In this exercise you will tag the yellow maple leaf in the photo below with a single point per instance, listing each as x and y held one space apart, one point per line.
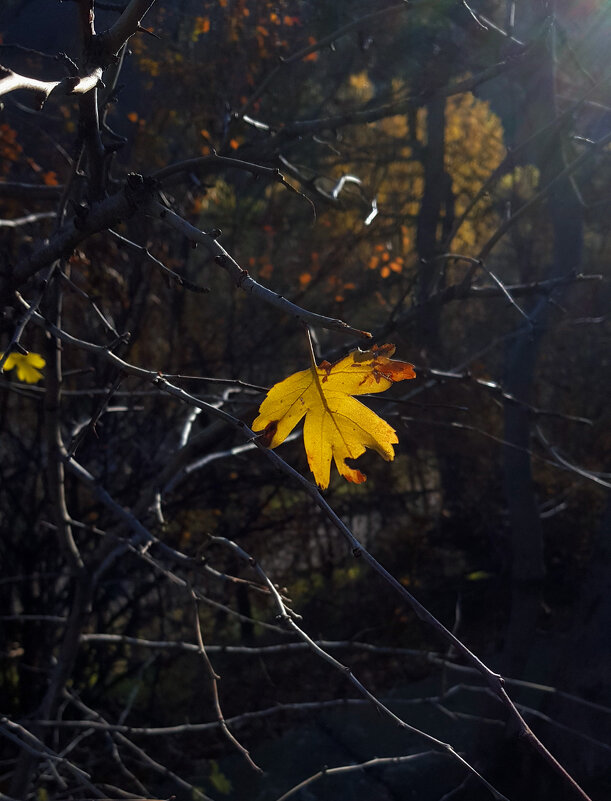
26 365
336 425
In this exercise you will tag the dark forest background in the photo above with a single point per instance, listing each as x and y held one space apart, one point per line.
434 172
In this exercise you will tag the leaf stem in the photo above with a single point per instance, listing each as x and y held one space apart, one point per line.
311 347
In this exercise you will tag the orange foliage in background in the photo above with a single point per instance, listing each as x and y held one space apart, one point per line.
10 149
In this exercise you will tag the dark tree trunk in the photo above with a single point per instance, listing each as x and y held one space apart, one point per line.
566 217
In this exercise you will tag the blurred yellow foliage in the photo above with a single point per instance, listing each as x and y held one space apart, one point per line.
362 85
390 167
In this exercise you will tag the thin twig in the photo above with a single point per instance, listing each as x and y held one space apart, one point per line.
214 678
31 744
589 474
143 251
100 723
288 620
377 762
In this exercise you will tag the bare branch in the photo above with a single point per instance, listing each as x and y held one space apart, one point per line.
497 281
263 650
10 81
243 280
378 762
589 474
99 722
29 743
28 219
288 620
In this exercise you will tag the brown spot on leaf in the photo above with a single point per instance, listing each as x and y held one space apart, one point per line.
268 433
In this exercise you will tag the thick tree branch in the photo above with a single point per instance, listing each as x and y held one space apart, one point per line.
10 81
101 216
108 43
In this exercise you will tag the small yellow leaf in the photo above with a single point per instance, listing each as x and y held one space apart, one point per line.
26 366
219 781
337 426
